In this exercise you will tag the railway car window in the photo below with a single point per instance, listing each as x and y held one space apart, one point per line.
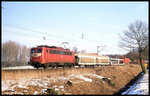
39 50
32 50
46 51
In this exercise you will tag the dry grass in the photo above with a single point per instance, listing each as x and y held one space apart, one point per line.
40 73
120 75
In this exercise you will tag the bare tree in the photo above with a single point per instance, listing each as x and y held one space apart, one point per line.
10 51
14 54
136 36
22 55
28 54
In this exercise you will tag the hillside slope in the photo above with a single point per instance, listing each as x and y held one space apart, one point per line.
89 80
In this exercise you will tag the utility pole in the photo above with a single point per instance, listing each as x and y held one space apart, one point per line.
97 49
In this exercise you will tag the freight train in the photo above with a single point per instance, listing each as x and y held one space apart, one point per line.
52 56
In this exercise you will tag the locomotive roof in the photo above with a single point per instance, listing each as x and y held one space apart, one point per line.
46 46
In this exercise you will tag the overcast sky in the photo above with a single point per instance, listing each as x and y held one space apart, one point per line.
99 23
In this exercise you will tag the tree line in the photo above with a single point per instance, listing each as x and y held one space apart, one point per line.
14 54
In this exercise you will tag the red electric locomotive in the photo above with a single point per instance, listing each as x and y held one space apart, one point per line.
45 56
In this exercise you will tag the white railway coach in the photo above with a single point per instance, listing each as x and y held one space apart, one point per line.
91 59
115 61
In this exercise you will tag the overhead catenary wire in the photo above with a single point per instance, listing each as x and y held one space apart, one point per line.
32 35
31 18
45 23
36 37
46 33
35 31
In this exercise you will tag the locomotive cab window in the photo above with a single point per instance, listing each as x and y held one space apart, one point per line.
32 50
39 50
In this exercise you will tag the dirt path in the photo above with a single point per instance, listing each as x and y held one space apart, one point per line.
90 80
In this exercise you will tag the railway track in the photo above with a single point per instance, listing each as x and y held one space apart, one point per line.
41 68
49 68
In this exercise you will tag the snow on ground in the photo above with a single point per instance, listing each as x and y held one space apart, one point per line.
44 82
84 78
141 87
20 67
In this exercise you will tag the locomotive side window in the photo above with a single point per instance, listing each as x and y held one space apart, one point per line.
39 50
32 50
70 53
57 52
67 53
62 52
54 51
50 51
